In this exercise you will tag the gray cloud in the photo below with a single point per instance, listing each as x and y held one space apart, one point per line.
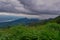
12 6
42 6
33 7
6 6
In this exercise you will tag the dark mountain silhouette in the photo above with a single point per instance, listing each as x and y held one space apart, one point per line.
56 20
19 21
27 21
51 20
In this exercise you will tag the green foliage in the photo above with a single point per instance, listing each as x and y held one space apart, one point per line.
50 31
56 20
46 30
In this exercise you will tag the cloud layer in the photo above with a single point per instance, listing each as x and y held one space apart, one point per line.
28 16
42 6
36 8
31 6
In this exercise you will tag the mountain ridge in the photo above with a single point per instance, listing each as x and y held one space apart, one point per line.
19 21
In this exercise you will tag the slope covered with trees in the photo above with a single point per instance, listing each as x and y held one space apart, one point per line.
35 31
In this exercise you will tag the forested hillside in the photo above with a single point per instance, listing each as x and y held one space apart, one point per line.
45 30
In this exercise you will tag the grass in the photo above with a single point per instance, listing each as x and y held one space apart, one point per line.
50 31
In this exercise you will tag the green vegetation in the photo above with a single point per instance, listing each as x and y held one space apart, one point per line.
48 31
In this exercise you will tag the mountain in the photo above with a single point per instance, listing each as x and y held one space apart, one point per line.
6 18
25 21
20 20
51 20
56 20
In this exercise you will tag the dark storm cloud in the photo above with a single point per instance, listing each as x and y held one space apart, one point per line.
13 6
6 6
42 6
33 7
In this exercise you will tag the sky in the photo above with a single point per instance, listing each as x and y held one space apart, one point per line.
30 8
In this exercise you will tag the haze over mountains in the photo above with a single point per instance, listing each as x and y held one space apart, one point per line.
49 8
13 20
6 18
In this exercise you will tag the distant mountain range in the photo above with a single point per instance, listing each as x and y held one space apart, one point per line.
6 21
6 18
19 21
